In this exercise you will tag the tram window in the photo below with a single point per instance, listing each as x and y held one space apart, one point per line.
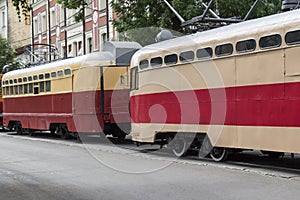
15 80
187 56
171 59
204 53
35 77
19 80
25 79
224 49
270 41
29 78
11 81
36 90
41 76
48 86
47 75
6 82
144 64
25 89
60 73
53 74
156 62
245 46
7 90
134 78
21 89
292 37
42 87
30 88
16 90
11 90
67 72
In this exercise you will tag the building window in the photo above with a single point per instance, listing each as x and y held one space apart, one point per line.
44 23
90 45
53 18
3 19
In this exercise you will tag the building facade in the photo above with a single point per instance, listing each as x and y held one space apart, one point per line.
55 25
16 31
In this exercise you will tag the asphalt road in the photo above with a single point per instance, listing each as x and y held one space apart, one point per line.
54 169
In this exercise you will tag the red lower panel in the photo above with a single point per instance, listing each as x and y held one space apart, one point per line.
81 111
262 105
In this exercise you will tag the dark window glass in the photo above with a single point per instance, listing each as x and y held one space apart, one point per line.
53 74
7 90
144 64
35 77
25 89
19 80
15 80
224 49
67 71
42 87
47 75
25 79
246 46
10 81
292 37
48 86
187 56
21 89
41 76
36 90
156 62
171 59
270 41
29 78
30 88
204 53
134 78
60 73
16 90
6 82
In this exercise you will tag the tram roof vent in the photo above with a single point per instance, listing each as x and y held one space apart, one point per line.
122 51
290 5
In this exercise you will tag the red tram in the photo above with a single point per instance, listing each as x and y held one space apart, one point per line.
87 94
231 88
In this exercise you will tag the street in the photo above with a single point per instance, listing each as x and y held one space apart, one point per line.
34 168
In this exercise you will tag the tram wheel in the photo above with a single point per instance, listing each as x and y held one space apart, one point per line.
64 134
19 129
219 154
178 146
30 132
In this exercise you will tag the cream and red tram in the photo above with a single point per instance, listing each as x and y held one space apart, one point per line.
86 94
237 86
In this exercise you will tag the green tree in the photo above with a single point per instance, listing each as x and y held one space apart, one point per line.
22 7
135 14
7 54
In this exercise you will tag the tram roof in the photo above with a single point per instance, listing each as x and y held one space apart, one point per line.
247 28
93 59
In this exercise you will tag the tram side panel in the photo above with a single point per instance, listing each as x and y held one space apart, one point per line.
100 99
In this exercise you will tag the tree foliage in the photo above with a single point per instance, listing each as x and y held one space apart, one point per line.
22 8
7 54
74 4
135 14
